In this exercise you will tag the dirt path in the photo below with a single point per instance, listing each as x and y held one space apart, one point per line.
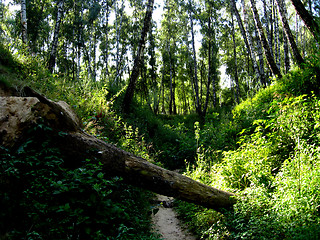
167 224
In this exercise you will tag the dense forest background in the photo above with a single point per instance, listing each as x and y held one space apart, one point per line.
225 91
199 54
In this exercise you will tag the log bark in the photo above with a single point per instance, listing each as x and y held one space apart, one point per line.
18 114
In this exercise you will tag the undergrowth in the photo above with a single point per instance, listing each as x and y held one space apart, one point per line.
273 167
42 198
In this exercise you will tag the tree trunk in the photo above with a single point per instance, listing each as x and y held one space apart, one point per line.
106 53
240 24
171 103
311 24
118 31
268 23
53 53
289 35
247 39
275 70
277 40
196 81
260 74
78 146
24 24
137 61
286 54
209 65
236 79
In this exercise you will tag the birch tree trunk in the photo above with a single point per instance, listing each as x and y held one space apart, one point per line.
247 38
196 81
309 21
275 70
119 11
286 54
260 56
269 24
237 92
209 65
288 32
53 52
24 24
106 53
277 40
171 103
259 71
240 24
137 61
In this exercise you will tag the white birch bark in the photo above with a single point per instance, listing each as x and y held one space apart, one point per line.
24 23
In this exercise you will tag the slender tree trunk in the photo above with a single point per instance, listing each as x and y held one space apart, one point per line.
106 53
277 40
237 92
118 31
247 38
286 54
24 24
94 55
259 72
268 20
163 109
174 85
209 65
196 81
137 61
53 52
263 39
86 55
260 56
171 81
309 21
289 35
242 30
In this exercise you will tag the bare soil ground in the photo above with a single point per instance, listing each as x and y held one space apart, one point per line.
166 222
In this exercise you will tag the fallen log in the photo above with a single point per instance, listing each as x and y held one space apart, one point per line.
18 114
